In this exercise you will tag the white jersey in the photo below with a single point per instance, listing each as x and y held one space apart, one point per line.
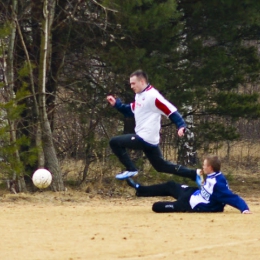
148 107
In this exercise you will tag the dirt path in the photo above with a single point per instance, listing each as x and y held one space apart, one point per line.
53 226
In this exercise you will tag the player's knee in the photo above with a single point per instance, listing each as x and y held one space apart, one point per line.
113 142
161 207
156 207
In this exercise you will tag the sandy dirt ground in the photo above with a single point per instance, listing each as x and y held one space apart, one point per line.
47 225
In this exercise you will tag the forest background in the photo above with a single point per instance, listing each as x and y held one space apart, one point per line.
60 59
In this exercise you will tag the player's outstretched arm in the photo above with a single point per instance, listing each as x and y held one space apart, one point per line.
125 109
225 195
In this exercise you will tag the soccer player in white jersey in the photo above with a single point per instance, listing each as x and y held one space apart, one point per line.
147 109
213 195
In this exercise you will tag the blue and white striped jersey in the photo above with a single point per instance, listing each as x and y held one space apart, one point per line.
215 194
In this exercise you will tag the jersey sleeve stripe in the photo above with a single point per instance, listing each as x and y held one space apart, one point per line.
162 107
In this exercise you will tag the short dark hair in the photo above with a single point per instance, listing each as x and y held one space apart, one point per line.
214 162
140 74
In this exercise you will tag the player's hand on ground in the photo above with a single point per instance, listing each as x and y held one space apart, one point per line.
181 131
111 100
246 212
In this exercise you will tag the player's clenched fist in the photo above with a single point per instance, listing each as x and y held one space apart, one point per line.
111 100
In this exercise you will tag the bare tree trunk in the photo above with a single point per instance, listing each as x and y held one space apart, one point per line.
60 41
36 106
9 83
51 160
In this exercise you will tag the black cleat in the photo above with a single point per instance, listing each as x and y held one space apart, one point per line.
132 183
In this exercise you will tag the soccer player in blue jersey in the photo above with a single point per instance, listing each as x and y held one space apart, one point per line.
213 195
147 108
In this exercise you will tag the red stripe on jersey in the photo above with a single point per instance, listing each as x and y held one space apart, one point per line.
133 106
150 87
162 107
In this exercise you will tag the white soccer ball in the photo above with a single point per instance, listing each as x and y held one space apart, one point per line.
42 178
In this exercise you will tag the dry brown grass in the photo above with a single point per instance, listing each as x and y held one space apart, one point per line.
241 167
